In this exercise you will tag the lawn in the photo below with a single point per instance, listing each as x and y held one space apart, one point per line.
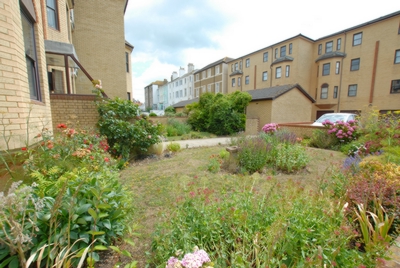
157 184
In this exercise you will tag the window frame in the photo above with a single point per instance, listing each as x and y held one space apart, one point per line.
337 67
287 70
397 56
355 64
127 61
335 92
265 76
357 41
276 53
239 83
247 62
31 60
54 11
216 87
233 83
329 47
216 69
282 52
392 86
319 49
324 92
276 72
265 57
247 80
326 71
290 48
351 89
339 44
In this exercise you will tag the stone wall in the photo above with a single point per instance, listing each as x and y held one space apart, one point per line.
303 129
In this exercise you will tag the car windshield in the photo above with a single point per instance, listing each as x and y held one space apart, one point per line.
332 118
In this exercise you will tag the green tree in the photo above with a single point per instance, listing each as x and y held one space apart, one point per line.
219 114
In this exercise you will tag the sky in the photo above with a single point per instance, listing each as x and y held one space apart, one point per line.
169 34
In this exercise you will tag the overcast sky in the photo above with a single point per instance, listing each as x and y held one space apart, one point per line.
168 34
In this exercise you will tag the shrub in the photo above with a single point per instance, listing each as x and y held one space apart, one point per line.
291 158
170 110
252 154
173 147
177 128
126 132
285 136
344 132
321 139
152 114
214 163
270 128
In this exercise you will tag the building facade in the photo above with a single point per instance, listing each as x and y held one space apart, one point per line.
39 59
181 87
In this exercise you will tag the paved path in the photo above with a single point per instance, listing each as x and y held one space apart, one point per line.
394 254
200 142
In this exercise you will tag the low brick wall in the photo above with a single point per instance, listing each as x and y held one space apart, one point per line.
164 119
77 111
300 129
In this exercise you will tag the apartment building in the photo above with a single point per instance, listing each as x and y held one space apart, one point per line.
212 78
151 95
181 87
344 72
41 62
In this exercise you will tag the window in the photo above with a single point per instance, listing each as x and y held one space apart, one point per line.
247 63
247 80
339 44
203 75
397 56
395 86
290 49
239 81
283 51
278 72
180 82
236 66
324 91
329 47
209 72
276 53
265 56
127 61
208 88
30 57
337 69
52 18
319 49
216 87
176 83
335 92
180 93
233 82
128 95
287 70
352 91
265 76
232 68
197 77
185 92
326 69
177 94
355 64
357 39
190 78
217 69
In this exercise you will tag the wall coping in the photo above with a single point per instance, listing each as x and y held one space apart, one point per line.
54 96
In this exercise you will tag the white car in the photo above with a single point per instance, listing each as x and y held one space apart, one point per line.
334 117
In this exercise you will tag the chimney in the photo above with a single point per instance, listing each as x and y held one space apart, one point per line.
181 71
174 75
190 67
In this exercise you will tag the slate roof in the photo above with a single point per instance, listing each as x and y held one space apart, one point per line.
226 59
272 93
331 55
184 103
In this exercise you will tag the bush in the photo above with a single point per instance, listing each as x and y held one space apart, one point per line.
344 132
252 154
152 114
291 158
126 132
321 139
177 128
170 110
173 147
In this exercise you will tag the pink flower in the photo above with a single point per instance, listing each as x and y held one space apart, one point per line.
23 148
149 136
106 159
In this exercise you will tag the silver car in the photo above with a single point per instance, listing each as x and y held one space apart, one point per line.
334 117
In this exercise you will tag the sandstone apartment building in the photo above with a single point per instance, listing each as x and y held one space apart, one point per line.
341 72
50 50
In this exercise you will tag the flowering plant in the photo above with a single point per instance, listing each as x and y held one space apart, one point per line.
270 128
343 131
199 258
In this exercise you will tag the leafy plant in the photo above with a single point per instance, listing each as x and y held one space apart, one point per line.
291 158
321 139
173 147
252 154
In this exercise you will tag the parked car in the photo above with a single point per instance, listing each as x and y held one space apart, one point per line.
334 117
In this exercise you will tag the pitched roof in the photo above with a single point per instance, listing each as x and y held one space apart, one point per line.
184 103
225 60
272 93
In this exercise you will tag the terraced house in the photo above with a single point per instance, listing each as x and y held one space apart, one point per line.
50 51
299 79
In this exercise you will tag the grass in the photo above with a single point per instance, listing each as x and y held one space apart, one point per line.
157 184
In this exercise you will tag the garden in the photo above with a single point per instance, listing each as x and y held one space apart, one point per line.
100 199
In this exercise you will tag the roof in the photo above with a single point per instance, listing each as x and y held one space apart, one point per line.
126 5
363 24
223 60
271 93
185 102
129 44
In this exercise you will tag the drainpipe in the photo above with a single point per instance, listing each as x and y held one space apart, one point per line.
371 93
341 74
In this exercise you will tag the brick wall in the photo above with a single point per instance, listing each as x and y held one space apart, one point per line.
20 117
252 126
77 111
302 130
